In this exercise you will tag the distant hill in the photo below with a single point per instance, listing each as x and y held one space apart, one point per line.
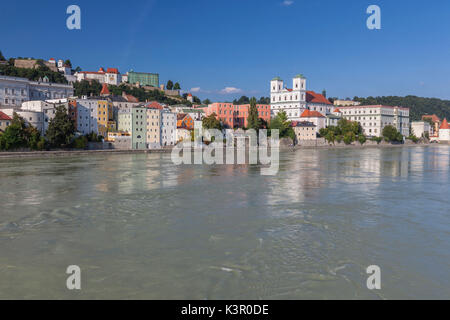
418 105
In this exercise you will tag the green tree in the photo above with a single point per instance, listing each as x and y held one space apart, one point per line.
207 101
169 85
177 86
280 122
61 128
68 63
253 117
2 58
391 134
211 122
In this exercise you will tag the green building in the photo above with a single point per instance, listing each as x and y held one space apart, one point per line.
144 79
139 128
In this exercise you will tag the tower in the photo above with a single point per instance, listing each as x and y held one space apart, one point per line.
276 85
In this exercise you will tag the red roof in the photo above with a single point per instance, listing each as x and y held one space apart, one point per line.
444 125
311 114
101 70
112 70
433 117
131 98
105 90
314 97
154 105
4 116
289 89
189 95
337 110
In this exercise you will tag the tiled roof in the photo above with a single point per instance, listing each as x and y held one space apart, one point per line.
433 117
302 124
311 114
337 110
112 70
154 105
131 98
444 125
105 90
314 97
181 116
4 116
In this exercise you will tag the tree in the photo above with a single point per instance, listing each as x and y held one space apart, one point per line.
242 100
391 134
177 86
86 88
253 121
61 128
77 69
169 85
19 135
281 123
2 58
207 101
68 63
324 93
211 122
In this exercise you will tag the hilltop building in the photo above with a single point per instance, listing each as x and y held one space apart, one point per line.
142 78
110 76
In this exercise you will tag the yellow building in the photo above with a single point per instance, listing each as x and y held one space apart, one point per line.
105 118
153 127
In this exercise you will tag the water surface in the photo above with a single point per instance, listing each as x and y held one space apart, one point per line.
142 228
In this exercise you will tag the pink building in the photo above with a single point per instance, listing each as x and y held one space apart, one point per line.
235 116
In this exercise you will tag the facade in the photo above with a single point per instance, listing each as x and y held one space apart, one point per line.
346 103
304 130
153 128
33 118
105 121
436 123
144 79
168 128
235 116
48 110
316 118
420 128
5 121
139 128
374 118
15 91
444 132
183 134
292 101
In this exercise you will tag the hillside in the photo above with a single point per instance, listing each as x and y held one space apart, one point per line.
418 105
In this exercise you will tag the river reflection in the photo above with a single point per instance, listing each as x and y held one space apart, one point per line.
141 227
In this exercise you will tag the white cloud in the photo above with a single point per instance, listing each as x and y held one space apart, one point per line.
287 3
230 90
196 89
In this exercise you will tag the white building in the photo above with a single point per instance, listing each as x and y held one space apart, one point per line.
374 118
314 117
46 108
292 101
420 128
444 132
168 128
34 118
87 112
15 91
110 76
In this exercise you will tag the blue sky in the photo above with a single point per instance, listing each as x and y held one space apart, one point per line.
210 45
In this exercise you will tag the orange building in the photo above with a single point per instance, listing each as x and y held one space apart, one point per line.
185 121
236 116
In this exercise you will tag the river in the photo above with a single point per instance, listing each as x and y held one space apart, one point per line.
140 227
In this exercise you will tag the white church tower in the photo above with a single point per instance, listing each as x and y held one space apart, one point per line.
292 101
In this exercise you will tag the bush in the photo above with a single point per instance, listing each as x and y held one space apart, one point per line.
413 138
377 139
80 142
362 139
41 144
